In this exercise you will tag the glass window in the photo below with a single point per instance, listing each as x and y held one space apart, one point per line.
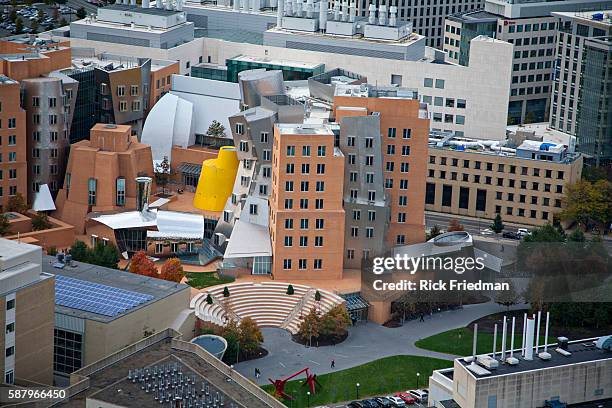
440 83
428 82
91 189
121 191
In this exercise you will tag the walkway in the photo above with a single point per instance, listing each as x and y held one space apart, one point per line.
366 342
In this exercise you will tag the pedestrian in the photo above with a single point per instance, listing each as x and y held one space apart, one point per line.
257 373
422 319
333 363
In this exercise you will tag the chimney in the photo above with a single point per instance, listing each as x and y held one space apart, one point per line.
345 11
352 11
393 16
475 341
372 14
503 347
309 9
382 15
529 338
168 4
143 192
512 337
524 334
546 332
279 13
494 340
323 15
537 339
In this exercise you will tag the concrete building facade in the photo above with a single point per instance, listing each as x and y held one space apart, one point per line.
306 214
26 315
525 187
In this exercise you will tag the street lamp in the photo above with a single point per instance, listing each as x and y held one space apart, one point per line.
357 389
308 395
418 375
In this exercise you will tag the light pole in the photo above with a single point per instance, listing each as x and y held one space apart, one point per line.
418 375
308 395
357 389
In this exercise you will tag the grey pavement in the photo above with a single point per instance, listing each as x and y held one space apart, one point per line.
366 342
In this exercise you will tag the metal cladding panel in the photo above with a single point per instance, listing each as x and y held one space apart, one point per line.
257 83
69 323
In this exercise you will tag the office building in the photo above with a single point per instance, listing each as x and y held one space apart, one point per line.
126 308
26 315
13 146
580 105
181 369
532 29
524 184
566 373
100 174
306 203
154 27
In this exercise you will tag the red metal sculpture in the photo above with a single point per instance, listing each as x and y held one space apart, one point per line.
279 385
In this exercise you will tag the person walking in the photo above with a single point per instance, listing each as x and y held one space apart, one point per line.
333 363
257 373
422 319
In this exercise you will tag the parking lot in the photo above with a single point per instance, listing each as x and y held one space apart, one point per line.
37 17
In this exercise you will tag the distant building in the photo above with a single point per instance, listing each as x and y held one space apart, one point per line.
575 374
524 184
530 26
200 378
26 315
99 311
100 174
14 168
582 83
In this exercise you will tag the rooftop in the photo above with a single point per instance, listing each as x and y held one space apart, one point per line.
12 249
6 80
97 280
299 129
403 42
582 351
137 9
600 17
284 63
85 58
476 16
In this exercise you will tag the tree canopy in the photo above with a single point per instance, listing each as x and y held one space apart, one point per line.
588 203
172 270
142 265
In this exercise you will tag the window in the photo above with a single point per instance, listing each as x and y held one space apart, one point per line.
136 106
319 203
304 185
319 223
253 209
244 146
12 123
318 264
428 82
290 151
122 108
302 264
440 83
303 203
290 168
407 133
9 351
289 186
9 377
305 168
391 132
289 223
286 263
121 90
320 168
120 191
405 150
134 90
239 128
288 203
35 101
320 186
318 241
10 304
321 151
91 191
304 223
305 151
263 137
288 241
369 232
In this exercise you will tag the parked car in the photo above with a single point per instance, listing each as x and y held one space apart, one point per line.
511 235
419 395
397 401
522 232
355 404
371 403
487 231
406 397
384 402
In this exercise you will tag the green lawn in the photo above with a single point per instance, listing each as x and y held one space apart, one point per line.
379 377
459 342
201 280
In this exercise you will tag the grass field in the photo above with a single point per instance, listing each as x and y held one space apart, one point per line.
379 377
459 342
201 280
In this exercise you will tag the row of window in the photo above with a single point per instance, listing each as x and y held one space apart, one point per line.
532 41
12 191
302 264
318 241
164 80
305 168
304 203
533 53
532 66
512 169
92 187
488 180
440 101
532 90
530 78
51 101
134 89
304 223
305 186
12 140
519 28
12 157
12 123
123 106
53 153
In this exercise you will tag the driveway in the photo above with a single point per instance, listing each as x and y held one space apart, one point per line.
366 342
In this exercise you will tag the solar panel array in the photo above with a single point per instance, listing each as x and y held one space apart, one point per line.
94 297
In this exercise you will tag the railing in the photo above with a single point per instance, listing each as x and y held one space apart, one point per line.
227 308
228 372
297 308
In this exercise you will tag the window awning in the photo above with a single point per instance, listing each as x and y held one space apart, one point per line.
354 301
190 168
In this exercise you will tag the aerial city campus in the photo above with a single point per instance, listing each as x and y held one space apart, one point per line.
274 149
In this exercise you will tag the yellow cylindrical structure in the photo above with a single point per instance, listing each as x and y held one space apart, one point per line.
216 180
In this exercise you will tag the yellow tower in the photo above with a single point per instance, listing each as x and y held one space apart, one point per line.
216 180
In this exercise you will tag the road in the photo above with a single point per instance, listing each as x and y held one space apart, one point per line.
77 4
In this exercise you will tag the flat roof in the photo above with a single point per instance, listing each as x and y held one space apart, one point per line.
6 80
477 16
10 249
156 289
137 9
303 129
286 63
586 16
582 351
403 42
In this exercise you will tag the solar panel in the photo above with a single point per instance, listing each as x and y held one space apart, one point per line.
95 297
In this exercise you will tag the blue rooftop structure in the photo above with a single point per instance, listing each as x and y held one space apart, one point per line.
95 297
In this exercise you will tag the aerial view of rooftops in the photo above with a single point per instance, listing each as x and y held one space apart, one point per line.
306 203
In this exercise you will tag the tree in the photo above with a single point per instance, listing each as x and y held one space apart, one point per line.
335 322
317 296
290 290
216 129
142 265
588 203
576 236
172 270
226 292
34 26
63 22
249 335
81 13
78 251
5 226
498 225
163 173
545 233
18 25
209 299
40 222
433 232
508 297
16 203
454 225
40 15
52 251
310 326
105 255
13 16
